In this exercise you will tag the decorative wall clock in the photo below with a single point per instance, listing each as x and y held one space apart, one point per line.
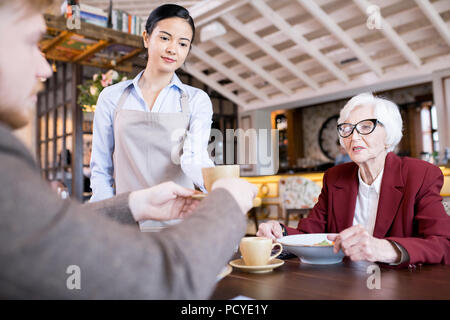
328 138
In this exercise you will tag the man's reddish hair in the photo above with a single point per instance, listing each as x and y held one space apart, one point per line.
34 6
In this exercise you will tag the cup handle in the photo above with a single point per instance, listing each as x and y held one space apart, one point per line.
279 251
257 202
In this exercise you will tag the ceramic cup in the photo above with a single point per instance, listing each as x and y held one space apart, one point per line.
256 250
212 174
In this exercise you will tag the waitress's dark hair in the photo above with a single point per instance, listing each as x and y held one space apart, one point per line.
169 11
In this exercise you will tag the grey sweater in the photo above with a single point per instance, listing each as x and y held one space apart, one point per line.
42 235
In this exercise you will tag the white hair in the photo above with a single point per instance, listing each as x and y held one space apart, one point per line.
385 111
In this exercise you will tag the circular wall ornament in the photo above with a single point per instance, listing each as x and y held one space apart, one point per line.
328 138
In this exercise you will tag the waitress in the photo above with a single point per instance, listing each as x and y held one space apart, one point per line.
142 125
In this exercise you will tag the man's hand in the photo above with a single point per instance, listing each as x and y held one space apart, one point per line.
165 201
270 229
358 244
242 191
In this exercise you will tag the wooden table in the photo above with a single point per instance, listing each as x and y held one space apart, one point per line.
346 280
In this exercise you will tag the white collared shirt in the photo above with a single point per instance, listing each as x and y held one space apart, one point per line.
367 203
195 154
367 206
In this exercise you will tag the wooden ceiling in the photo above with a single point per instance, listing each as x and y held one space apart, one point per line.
279 53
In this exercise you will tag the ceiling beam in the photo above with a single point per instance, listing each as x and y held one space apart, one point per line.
204 7
214 15
129 55
225 46
196 51
138 2
316 11
435 19
276 55
213 84
392 35
288 30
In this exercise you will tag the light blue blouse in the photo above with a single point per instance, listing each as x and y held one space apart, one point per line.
195 154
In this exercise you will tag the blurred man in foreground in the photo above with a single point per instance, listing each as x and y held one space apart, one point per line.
42 237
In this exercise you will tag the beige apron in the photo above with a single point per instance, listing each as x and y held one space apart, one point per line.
144 150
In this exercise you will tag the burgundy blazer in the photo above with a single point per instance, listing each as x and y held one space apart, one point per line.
410 210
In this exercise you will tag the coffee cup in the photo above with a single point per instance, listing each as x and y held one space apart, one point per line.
212 174
256 250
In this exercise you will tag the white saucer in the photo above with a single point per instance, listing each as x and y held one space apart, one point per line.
199 196
225 271
239 263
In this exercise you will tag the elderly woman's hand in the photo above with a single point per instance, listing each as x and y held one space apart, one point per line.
358 244
271 230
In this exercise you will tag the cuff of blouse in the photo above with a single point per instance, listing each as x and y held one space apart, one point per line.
283 229
404 256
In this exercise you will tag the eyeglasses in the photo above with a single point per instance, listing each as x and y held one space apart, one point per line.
363 127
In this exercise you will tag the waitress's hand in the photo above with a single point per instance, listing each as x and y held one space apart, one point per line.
241 190
165 201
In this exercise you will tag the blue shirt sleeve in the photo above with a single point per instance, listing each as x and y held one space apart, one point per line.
102 169
195 149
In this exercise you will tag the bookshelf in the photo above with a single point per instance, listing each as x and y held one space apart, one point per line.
90 45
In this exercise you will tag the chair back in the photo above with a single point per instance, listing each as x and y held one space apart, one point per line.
446 203
298 193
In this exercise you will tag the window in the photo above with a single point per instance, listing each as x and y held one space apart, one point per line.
429 125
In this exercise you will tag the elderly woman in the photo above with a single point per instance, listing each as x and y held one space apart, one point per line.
384 208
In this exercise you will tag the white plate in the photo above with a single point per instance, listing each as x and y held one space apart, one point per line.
303 246
199 196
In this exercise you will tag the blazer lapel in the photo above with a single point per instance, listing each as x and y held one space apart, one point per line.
344 199
391 194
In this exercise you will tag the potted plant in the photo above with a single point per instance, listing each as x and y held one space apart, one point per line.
90 90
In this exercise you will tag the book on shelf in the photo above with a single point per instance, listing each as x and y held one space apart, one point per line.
120 20
94 18
143 23
91 9
116 19
124 22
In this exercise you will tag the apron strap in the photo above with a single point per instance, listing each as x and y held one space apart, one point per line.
184 99
184 102
123 98
185 107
